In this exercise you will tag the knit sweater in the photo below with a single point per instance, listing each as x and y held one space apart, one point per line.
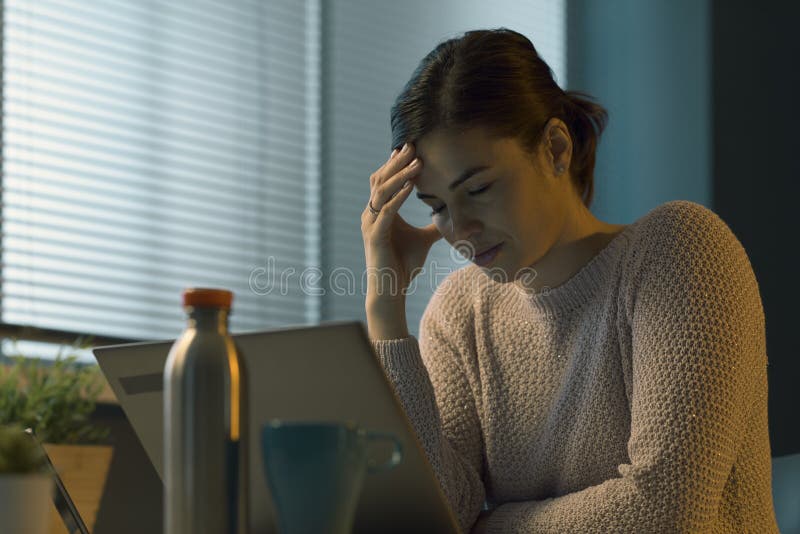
631 398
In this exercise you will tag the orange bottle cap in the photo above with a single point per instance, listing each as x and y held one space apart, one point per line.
205 297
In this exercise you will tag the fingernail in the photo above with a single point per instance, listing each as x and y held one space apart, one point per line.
393 154
405 148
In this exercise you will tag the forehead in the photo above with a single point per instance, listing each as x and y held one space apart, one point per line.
445 154
442 146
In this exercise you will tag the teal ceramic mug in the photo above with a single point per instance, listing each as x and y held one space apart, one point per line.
315 472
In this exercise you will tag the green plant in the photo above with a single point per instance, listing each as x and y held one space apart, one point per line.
19 454
55 400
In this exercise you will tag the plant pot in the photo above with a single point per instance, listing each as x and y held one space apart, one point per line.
83 470
25 503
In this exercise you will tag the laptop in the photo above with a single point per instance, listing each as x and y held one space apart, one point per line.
327 372
61 498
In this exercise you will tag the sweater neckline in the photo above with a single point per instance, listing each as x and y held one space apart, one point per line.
581 286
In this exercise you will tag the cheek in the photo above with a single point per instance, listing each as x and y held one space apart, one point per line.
526 221
512 212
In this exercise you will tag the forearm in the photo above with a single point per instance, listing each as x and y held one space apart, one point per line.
456 470
386 318
613 506
642 500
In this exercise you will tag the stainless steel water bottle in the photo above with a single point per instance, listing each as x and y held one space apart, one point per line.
205 422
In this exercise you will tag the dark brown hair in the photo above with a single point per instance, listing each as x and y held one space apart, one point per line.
495 79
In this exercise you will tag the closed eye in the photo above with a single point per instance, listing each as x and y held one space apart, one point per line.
479 190
470 193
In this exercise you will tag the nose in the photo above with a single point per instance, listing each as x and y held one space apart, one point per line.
463 226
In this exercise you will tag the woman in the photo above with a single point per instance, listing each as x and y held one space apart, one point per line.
581 376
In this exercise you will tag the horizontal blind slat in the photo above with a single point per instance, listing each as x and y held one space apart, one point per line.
282 180
133 128
89 95
224 76
185 221
56 152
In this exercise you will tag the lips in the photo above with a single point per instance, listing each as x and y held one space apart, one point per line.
485 250
487 255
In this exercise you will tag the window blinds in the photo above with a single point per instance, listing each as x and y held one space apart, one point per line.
152 146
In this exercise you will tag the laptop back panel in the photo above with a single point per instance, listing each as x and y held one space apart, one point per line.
327 372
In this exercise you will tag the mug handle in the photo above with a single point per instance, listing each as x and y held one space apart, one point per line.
393 461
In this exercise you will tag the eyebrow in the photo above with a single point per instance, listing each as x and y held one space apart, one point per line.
466 175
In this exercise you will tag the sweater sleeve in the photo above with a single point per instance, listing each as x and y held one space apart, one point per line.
698 348
430 381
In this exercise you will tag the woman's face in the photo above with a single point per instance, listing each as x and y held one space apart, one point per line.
515 199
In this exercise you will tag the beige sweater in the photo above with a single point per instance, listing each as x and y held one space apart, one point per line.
631 398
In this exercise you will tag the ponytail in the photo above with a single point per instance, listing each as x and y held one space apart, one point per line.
586 121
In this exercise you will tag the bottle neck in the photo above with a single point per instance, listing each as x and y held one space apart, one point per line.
213 319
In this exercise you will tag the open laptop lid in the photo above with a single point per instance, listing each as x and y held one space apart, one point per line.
327 372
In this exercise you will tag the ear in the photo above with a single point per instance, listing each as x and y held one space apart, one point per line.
558 146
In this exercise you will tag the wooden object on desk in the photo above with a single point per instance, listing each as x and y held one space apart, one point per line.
83 470
107 396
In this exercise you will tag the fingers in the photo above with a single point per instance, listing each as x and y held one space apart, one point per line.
386 186
389 209
392 165
381 194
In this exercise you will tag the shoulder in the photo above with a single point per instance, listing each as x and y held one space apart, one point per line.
682 236
683 225
685 250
